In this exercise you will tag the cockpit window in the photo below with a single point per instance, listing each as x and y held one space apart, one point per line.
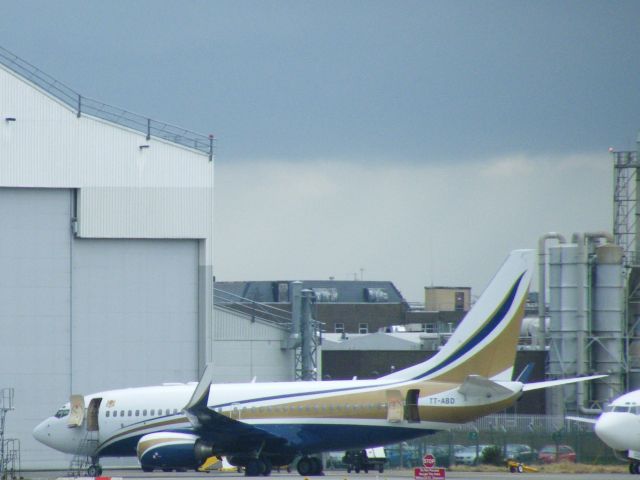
621 408
62 412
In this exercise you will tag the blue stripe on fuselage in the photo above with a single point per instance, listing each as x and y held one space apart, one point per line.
482 333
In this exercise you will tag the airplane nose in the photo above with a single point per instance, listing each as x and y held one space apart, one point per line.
612 429
42 432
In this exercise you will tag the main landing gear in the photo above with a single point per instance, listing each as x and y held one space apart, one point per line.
309 466
94 470
634 467
258 466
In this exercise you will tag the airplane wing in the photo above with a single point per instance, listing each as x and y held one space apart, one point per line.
222 430
582 419
478 386
554 383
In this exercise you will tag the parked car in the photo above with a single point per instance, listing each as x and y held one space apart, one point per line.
564 453
520 452
468 456
367 459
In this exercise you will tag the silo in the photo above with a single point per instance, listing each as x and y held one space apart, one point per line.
567 291
607 321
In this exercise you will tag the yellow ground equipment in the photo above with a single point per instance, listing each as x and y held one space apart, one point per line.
518 467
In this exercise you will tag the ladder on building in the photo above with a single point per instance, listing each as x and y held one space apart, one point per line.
10 469
82 463
9 448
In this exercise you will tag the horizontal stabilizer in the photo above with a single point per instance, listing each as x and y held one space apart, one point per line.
582 419
554 383
477 386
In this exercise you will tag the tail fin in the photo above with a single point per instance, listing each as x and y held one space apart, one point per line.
485 341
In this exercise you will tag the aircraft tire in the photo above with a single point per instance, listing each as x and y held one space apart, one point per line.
268 467
254 468
316 466
381 469
94 471
147 469
305 466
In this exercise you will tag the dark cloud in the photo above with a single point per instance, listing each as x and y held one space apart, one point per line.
406 81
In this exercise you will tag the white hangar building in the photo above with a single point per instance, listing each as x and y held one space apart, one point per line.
106 248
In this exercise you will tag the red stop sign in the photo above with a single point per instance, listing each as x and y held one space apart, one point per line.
428 460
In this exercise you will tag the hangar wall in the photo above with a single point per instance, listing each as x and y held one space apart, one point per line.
246 349
105 258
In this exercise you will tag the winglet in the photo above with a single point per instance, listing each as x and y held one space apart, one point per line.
200 395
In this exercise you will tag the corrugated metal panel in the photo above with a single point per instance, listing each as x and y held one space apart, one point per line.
48 146
135 313
35 304
244 349
231 326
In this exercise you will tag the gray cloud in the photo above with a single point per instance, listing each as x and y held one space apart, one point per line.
414 224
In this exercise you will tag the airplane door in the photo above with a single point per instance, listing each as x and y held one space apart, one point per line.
76 415
395 410
411 410
92 415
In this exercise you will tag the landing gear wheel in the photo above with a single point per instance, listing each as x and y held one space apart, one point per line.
94 471
634 467
380 469
316 466
147 469
268 466
254 468
304 466
520 468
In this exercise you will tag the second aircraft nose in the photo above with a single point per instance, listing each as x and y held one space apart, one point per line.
612 428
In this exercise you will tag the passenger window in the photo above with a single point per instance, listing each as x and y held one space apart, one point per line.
108 413
137 413
175 411
144 412
122 413
152 413
115 413
129 413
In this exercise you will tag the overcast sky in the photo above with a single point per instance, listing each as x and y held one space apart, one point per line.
412 141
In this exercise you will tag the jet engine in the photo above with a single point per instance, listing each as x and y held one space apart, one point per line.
172 451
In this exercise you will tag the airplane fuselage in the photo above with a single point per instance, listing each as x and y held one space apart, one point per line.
339 414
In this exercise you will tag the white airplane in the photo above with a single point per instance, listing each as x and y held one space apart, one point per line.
619 427
260 425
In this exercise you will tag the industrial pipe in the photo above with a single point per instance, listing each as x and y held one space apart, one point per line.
542 313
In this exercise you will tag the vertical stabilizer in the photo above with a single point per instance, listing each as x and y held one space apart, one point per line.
485 341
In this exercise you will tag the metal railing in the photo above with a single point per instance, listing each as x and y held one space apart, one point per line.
94 108
256 311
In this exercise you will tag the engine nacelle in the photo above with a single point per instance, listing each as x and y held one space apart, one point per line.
172 450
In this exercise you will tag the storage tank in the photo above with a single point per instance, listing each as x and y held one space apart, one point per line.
607 321
567 292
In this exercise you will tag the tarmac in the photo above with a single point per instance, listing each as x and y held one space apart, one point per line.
329 475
